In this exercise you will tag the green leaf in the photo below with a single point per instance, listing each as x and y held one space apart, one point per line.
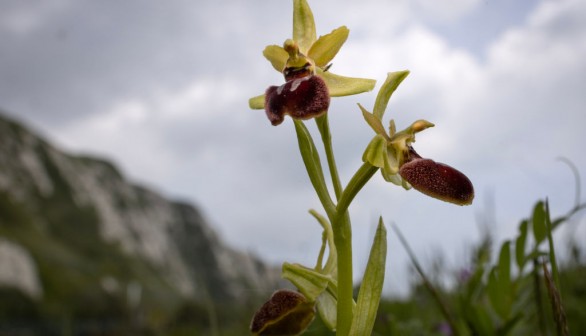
313 166
340 86
372 285
277 56
257 103
309 282
303 25
499 284
539 228
327 46
494 295
520 245
536 254
373 122
478 318
505 267
509 325
384 94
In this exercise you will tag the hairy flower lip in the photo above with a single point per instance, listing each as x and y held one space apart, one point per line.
301 98
285 313
437 180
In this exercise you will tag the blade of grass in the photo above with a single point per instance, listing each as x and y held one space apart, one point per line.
434 293
559 315
537 295
552 258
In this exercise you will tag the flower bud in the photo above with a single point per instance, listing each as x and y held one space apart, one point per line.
301 98
437 180
286 313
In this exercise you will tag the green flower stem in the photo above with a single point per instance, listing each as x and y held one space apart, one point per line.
360 178
343 240
324 130
342 227
338 215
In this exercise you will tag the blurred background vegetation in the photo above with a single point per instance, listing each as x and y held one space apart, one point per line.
513 287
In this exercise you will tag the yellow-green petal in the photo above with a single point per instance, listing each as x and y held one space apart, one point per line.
257 103
308 281
327 46
395 179
277 56
376 152
390 171
303 25
345 86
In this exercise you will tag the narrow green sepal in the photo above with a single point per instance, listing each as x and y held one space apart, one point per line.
340 86
372 285
303 25
257 103
374 122
309 282
326 308
384 94
327 46
277 56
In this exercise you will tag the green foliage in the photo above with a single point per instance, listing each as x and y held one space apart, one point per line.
515 295
372 284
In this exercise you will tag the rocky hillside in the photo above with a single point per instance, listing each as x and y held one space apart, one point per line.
76 238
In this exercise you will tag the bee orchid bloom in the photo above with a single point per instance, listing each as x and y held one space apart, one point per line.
393 153
303 96
304 62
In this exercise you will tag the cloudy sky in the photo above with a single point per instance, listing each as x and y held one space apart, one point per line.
162 89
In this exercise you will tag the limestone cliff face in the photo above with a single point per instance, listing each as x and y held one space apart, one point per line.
51 201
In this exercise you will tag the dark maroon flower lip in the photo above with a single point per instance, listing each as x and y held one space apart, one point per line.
285 313
301 98
437 180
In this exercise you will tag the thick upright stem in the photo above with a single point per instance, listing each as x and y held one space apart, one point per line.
342 229
337 214
343 240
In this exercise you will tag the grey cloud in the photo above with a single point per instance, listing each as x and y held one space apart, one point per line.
86 59
80 59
